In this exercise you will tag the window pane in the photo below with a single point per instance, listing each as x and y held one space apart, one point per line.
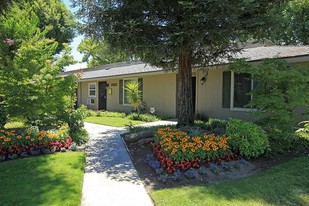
92 92
242 86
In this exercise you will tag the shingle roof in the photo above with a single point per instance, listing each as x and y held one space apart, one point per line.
120 69
259 53
138 67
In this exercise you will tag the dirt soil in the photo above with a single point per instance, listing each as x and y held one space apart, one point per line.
236 169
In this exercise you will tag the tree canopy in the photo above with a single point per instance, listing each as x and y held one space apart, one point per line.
51 13
288 23
97 52
175 34
29 67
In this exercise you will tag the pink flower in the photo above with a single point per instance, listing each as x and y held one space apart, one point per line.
9 41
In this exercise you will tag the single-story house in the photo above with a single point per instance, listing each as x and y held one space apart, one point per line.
102 88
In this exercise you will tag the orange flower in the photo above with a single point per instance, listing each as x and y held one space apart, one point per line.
7 139
27 137
40 138
19 137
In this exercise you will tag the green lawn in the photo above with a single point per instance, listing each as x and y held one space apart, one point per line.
286 184
54 179
112 121
15 124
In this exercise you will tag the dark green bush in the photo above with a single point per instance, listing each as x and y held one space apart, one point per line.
3 115
143 117
76 123
246 138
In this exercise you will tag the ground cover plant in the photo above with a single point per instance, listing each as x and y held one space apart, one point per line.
285 184
54 180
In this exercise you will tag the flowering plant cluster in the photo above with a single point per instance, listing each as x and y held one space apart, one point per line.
31 139
179 146
176 150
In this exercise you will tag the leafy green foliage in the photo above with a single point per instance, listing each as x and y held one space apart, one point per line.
3 115
304 132
134 95
280 90
143 117
288 23
246 138
75 120
98 53
29 71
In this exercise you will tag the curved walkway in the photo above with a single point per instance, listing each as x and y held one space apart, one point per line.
110 177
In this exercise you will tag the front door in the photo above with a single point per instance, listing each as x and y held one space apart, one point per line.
102 95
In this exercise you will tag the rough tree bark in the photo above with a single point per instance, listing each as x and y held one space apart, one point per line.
185 107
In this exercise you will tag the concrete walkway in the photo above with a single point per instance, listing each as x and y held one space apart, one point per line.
110 177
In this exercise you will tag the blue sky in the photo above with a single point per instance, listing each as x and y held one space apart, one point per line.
77 56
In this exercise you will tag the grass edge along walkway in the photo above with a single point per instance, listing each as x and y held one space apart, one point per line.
284 184
112 121
53 180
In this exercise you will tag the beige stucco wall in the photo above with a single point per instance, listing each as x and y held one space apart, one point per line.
83 95
209 97
159 91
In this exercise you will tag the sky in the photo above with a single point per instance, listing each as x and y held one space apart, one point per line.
77 56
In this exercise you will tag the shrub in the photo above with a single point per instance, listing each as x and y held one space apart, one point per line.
304 132
76 124
246 138
143 117
3 115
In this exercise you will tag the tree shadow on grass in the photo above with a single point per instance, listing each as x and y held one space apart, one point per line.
44 180
286 184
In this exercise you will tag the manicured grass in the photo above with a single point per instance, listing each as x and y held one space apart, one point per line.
54 179
15 124
286 184
112 121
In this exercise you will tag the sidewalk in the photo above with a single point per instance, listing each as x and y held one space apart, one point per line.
110 177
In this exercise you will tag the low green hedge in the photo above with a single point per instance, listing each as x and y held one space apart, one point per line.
247 138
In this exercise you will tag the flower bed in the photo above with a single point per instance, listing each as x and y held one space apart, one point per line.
33 142
176 150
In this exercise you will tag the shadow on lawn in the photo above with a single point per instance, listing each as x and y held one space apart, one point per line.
285 184
42 180
109 156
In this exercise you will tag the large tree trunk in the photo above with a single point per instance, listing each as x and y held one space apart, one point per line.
184 94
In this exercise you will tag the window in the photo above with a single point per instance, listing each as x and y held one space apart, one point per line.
123 93
92 89
236 87
242 86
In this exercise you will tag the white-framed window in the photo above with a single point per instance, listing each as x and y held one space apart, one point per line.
241 86
125 81
92 89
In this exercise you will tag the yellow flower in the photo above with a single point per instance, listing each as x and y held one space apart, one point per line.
32 139
19 137
27 137
40 138
7 139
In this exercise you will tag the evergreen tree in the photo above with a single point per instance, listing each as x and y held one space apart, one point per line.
174 34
